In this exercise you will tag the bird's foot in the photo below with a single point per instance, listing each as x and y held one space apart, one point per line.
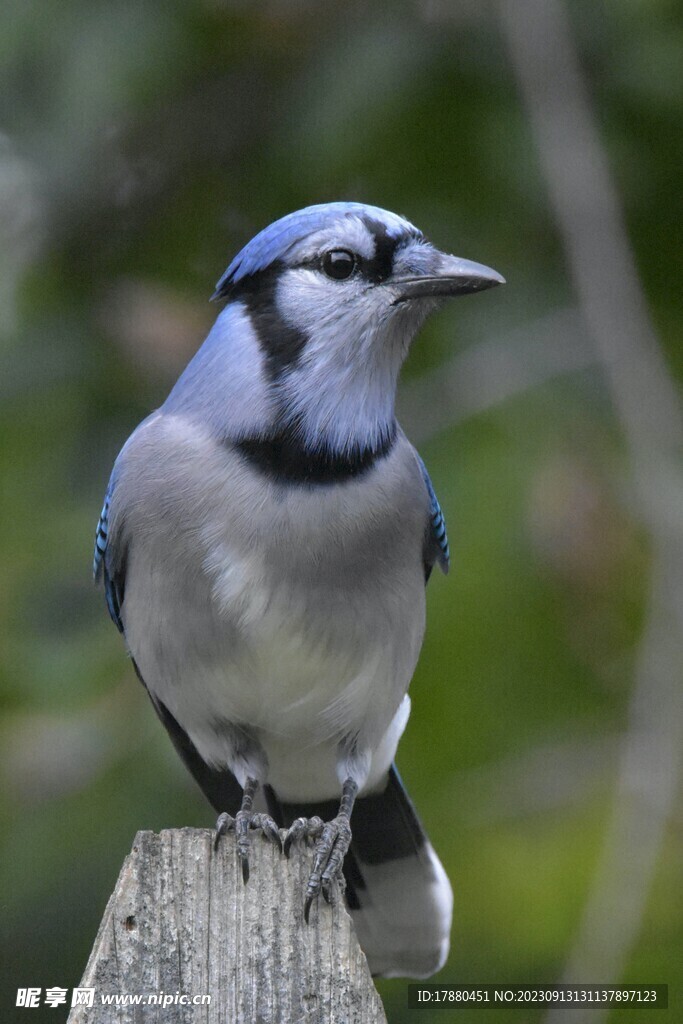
243 824
333 841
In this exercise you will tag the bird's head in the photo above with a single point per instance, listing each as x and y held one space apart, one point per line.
348 273
327 301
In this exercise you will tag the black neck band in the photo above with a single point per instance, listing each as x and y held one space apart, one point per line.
283 458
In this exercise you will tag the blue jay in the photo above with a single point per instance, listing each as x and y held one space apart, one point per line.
264 546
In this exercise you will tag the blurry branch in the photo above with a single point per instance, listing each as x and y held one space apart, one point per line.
551 777
20 227
492 372
587 211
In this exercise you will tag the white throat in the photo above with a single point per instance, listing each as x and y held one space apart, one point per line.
341 393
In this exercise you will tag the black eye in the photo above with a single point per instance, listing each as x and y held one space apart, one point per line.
339 263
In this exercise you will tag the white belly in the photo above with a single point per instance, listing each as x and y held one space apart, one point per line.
301 668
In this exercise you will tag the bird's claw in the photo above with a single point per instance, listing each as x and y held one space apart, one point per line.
224 824
326 876
265 823
303 828
242 824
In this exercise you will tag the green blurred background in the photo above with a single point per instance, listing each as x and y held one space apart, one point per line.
141 144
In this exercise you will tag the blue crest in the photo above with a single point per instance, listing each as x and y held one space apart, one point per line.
274 242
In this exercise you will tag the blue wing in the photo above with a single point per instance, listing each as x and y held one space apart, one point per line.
436 540
101 540
113 586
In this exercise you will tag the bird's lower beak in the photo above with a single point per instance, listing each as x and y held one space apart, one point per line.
451 277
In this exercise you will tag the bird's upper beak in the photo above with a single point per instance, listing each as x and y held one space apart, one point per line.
448 276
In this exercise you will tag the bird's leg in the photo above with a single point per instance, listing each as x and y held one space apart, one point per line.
332 843
246 819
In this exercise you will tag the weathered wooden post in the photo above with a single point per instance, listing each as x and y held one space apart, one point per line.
181 925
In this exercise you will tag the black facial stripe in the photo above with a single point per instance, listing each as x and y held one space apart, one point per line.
283 457
281 343
380 267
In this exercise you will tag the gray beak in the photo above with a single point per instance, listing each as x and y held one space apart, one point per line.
452 277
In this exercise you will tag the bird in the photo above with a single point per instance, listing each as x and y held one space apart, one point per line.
264 547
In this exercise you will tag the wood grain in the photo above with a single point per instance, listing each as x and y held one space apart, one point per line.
182 922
